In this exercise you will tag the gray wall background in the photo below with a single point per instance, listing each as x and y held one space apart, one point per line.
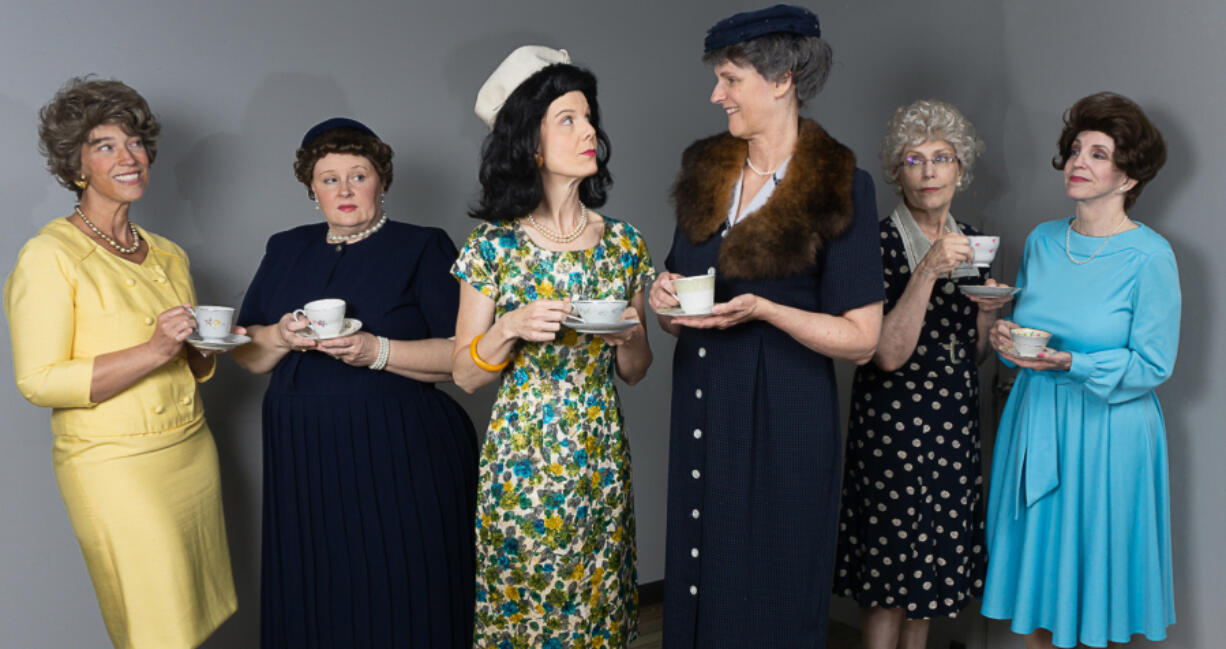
236 83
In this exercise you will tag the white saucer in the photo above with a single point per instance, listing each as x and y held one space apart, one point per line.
1013 353
217 344
598 328
989 291
349 327
676 312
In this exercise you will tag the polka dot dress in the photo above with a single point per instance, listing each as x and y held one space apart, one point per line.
911 525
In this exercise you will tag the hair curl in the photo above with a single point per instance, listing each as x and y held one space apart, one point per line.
510 179
808 58
928 120
345 141
1139 148
80 106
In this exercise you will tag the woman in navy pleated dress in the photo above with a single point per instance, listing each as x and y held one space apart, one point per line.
369 470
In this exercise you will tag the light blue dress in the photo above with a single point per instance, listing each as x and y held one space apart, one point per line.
1079 535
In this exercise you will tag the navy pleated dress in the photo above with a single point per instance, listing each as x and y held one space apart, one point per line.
369 477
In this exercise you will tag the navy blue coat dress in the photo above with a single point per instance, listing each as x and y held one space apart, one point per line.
369 477
755 447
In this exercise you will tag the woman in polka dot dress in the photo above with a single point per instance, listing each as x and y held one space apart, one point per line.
912 521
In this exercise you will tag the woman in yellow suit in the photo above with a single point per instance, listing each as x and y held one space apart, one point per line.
97 316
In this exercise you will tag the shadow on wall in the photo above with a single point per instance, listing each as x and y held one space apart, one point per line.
239 189
38 191
1192 372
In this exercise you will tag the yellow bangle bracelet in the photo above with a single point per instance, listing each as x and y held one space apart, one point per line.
488 367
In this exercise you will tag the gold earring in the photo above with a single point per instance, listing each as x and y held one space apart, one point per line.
540 160
81 182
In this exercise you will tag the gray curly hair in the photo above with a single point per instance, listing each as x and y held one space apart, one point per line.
927 120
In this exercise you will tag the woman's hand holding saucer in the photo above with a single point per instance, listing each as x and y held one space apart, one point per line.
991 304
623 337
1047 359
359 350
742 308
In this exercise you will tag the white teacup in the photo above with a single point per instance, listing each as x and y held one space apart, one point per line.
213 323
984 250
1027 342
607 311
696 294
327 316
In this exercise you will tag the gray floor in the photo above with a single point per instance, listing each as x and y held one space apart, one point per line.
840 636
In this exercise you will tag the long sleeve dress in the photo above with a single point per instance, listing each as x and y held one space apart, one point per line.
369 477
1079 534
138 472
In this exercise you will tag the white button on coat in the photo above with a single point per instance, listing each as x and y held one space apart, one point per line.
694 552
695 474
693 590
698 393
697 433
702 352
694 514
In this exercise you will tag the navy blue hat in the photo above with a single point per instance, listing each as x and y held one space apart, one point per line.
333 124
752 24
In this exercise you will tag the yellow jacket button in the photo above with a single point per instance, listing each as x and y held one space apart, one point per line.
187 401
148 320
130 282
157 410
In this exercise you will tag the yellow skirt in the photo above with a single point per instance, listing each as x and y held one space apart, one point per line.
147 512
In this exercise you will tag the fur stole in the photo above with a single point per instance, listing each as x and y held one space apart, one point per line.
811 206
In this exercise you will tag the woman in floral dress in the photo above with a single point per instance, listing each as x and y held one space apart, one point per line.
555 520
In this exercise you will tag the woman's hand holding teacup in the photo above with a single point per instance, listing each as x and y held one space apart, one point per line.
288 329
663 295
991 304
538 321
1002 340
173 326
948 251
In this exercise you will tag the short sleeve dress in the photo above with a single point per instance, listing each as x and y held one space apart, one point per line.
369 477
555 516
911 526
1079 529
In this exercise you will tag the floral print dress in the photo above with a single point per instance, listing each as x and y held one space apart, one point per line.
555 517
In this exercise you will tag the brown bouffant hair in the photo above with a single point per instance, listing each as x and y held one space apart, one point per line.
346 141
1139 149
79 107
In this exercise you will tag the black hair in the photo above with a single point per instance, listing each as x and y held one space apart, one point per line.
510 179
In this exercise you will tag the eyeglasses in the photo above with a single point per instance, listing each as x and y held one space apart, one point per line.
916 162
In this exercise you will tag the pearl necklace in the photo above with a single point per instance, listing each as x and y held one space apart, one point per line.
757 170
342 238
1068 233
114 244
558 237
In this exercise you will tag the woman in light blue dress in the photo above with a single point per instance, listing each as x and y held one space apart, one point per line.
1079 538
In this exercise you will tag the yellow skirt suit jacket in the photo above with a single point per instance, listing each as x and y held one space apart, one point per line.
138 472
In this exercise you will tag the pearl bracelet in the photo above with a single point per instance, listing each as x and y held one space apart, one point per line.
385 350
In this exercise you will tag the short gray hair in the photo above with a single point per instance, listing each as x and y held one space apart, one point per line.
927 120
808 58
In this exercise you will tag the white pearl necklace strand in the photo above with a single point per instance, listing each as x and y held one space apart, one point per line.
558 237
1068 233
342 238
115 244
